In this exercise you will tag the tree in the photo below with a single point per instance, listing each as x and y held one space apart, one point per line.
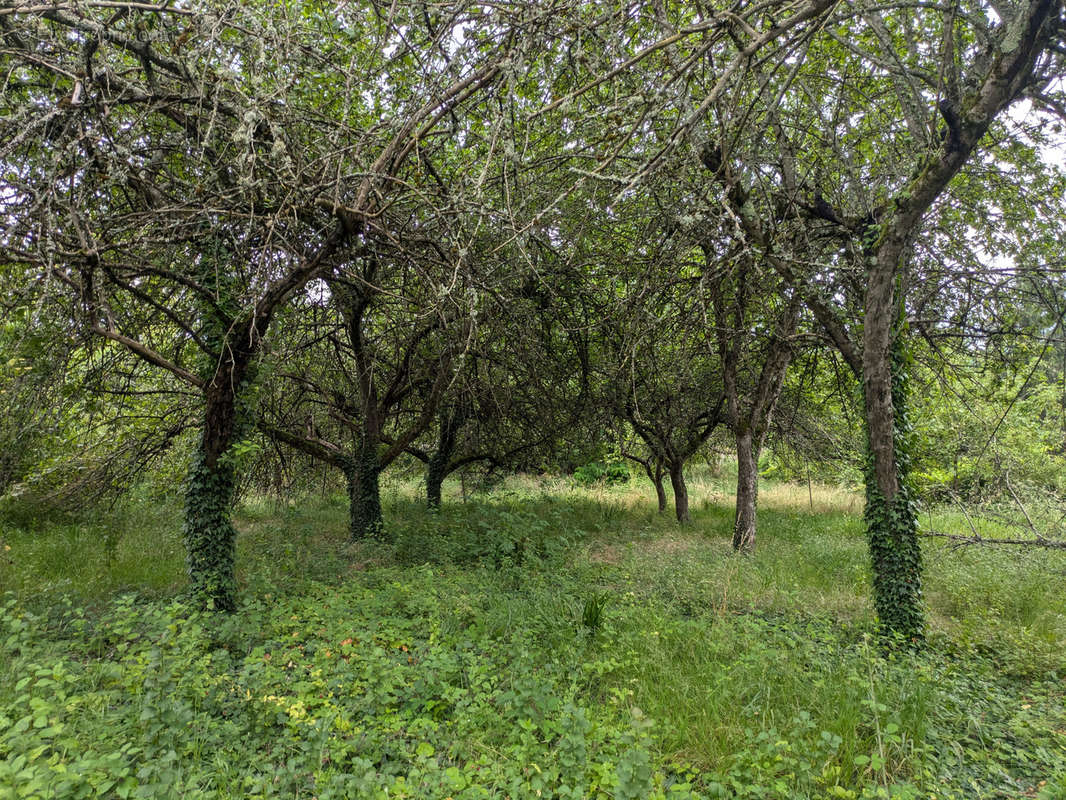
379 358
935 107
680 66
523 397
663 378
183 187
755 347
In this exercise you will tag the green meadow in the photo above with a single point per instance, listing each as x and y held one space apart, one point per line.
535 639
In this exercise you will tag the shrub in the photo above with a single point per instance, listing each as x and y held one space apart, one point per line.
599 473
482 533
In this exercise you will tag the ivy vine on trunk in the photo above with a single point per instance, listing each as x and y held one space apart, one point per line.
892 523
364 492
210 538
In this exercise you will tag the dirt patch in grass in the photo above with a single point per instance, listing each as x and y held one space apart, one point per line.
659 547
668 546
606 554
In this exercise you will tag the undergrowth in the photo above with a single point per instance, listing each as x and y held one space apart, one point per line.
539 642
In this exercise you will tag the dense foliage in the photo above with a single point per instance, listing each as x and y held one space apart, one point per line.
271 252
484 235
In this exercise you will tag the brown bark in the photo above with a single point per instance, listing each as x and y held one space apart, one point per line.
660 490
747 493
881 312
220 406
677 481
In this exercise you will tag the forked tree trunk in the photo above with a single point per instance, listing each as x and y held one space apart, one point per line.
677 481
653 468
747 493
451 421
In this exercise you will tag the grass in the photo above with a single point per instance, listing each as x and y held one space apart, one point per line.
536 640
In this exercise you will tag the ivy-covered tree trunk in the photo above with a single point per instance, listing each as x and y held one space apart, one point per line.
435 470
677 481
892 520
364 495
210 539
747 492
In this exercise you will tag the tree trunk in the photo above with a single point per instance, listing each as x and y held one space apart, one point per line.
660 490
210 539
655 475
435 470
677 480
364 496
877 374
890 514
451 421
747 493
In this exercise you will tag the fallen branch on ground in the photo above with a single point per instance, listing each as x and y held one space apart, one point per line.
1050 544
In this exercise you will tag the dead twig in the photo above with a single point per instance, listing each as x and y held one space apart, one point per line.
1049 544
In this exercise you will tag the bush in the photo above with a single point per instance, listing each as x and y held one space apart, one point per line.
482 533
599 473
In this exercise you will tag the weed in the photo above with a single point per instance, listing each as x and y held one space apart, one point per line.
592 613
